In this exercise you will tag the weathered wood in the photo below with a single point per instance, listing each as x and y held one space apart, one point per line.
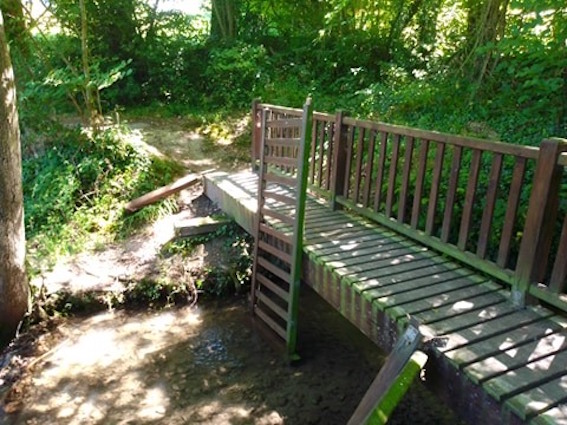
403 200
447 139
558 280
451 193
511 212
546 179
469 200
488 213
381 169
199 225
359 162
163 192
547 401
392 382
435 186
368 170
339 159
348 161
392 175
418 191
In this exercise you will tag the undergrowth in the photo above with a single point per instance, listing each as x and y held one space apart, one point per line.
75 187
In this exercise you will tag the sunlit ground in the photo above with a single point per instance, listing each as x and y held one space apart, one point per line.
146 367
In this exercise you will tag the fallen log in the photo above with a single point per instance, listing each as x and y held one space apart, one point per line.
162 192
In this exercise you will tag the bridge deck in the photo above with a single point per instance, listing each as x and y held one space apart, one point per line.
491 362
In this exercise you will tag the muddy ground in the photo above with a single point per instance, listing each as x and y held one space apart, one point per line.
195 364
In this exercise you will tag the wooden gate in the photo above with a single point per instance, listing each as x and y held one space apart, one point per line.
279 227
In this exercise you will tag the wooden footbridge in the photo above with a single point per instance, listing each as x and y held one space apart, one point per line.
467 237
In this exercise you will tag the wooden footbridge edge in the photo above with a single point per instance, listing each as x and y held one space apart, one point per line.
236 195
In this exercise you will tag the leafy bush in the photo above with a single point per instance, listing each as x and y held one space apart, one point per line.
75 187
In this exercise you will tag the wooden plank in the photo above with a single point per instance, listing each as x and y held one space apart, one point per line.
435 186
387 255
368 171
278 234
452 309
284 123
395 296
321 140
269 303
545 404
272 198
276 178
351 246
283 161
273 287
510 351
451 193
163 192
418 192
274 251
270 322
511 344
408 280
360 255
330 155
381 169
272 268
466 218
392 175
277 215
199 225
348 161
532 375
340 173
405 180
457 300
514 196
488 213
358 170
367 271
558 280
313 160
483 330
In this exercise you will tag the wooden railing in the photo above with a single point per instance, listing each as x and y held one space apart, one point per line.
498 207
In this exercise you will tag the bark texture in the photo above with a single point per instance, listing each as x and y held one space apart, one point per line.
14 289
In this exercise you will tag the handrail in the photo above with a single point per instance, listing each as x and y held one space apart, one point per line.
498 207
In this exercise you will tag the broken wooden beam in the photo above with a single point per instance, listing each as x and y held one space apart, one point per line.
199 225
162 192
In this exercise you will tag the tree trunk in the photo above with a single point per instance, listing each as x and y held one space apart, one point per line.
90 91
14 289
223 19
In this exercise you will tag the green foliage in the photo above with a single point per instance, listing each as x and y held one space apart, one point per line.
234 74
75 186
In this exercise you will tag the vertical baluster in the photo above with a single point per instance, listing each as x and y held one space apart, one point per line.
511 211
558 280
408 157
435 185
392 175
381 167
349 148
313 152
469 199
330 153
321 141
416 209
359 160
486 224
369 168
451 193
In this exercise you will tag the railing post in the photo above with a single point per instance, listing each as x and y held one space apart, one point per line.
339 159
256 123
540 221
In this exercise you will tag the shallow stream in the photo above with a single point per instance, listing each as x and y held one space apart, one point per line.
209 365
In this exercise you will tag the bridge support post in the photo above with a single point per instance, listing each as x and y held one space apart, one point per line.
256 123
540 221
